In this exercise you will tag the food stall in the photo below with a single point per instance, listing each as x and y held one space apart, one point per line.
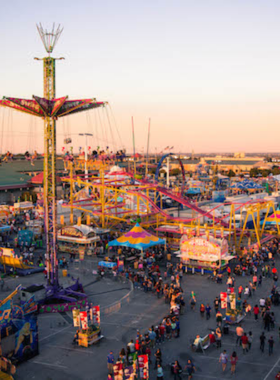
23 207
78 240
4 213
36 226
233 314
204 253
88 323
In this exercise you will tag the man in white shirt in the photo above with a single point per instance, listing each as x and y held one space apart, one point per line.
262 302
131 345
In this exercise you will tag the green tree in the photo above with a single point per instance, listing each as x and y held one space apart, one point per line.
254 172
175 172
231 173
275 170
265 172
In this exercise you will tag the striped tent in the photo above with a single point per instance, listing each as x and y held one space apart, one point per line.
137 238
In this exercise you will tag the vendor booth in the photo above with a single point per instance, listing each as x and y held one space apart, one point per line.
78 240
23 207
204 253
88 323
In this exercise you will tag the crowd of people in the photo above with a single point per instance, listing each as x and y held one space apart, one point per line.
168 286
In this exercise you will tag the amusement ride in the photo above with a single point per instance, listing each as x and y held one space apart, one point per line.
110 194
50 109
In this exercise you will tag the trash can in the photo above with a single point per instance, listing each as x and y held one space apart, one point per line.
64 272
136 265
168 257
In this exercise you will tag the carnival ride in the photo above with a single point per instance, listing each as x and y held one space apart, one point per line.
120 198
50 109
109 199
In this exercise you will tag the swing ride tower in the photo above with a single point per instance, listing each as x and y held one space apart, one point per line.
50 108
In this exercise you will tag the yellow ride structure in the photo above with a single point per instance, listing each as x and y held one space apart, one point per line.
120 199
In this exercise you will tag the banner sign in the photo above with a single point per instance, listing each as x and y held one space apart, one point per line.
201 249
95 314
143 366
71 231
25 105
129 373
76 317
232 300
223 296
84 319
60 308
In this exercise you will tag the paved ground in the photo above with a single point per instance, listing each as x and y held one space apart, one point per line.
58 359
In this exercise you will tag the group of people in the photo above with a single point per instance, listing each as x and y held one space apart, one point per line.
169 287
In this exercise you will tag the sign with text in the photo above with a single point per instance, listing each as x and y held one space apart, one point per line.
223 296
84 320
76 317
232 300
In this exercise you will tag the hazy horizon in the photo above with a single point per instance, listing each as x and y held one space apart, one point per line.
206 73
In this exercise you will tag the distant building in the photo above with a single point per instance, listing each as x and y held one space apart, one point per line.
239 155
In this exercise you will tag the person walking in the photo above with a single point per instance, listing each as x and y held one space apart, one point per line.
159 372
219 318
193 303
223 359
239 333
270 345
240 290
110 363
216 304
177 370
256 312
233 361
244 341
250 340
202 310
190 369
158 357
208 311
218 337
262 342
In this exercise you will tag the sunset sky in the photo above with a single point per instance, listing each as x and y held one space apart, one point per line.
206 72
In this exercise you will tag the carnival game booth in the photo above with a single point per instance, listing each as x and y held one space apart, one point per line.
78 240
204 254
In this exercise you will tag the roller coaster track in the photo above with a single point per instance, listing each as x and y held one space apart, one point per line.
180 200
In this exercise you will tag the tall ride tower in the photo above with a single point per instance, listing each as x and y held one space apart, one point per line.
50 109
49 40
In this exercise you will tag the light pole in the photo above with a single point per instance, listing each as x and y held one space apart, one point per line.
86 152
